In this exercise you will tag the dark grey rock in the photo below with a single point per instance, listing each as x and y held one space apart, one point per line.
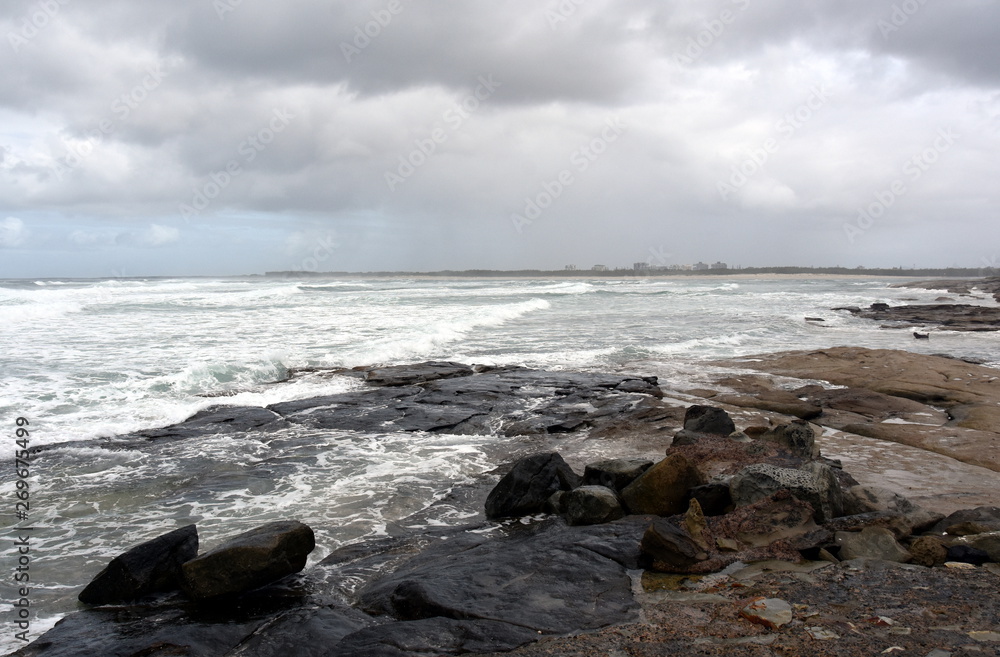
549 578
708 419
139 631
528 486
250 560
967 554
615 473
591 505
714 498
407 375
988 517
302 632
432 636
147 568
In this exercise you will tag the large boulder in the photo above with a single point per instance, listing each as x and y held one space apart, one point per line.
528 486
147 568
615 473
872 499
708 419
591 505
250 560
815 484
988 543
774 528
871 543
663 489
549 578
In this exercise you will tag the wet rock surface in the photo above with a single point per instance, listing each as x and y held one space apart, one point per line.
521 583
147 568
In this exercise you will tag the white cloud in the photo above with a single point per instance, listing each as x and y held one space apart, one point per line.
12 232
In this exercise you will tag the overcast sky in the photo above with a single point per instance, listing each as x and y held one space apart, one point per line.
241 136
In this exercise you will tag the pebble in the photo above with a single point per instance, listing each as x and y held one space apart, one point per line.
959 565
937 652
985 637
769 612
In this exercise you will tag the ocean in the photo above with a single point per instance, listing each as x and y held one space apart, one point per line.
83 359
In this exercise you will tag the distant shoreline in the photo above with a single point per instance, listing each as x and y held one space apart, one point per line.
640 274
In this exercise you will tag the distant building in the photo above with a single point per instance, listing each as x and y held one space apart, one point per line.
570 267
640 266
700 266
720 265
599 268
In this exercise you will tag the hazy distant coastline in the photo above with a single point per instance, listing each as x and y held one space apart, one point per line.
746 272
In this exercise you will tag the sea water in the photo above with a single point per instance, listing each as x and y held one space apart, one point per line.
83 359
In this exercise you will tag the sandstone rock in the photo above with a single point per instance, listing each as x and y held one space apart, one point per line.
696 527
871 543
250 560
663 489
591 505
708 419
868 499
928 551
149 567
772 613
529 484
779 517
817 485
797 438
615 473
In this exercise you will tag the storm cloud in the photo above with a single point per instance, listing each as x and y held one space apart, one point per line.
238 136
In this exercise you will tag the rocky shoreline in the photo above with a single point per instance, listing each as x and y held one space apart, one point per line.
740 539
946 316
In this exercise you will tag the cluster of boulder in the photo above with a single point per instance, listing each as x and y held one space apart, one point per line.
171 562
722 496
